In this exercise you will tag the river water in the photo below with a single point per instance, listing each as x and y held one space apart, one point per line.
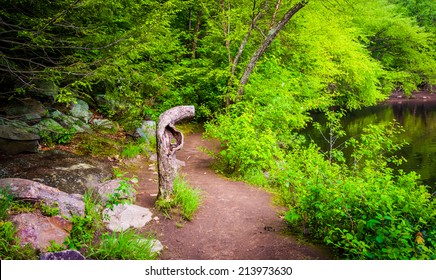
418 119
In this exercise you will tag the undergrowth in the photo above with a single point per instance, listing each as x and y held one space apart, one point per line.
88 234
104 143
364 205
184 201
125 245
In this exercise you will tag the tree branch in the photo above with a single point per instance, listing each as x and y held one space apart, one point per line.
267 42
273 19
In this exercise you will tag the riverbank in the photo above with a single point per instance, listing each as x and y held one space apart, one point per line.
415 97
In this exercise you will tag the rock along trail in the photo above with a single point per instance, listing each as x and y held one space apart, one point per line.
235 220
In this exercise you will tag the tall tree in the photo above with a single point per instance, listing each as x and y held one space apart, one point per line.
261 18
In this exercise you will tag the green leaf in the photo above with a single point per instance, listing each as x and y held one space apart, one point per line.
380 238
371 223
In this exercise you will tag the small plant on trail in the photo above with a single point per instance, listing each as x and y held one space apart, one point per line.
124 193
184 201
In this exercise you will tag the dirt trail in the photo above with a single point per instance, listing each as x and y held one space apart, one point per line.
234 221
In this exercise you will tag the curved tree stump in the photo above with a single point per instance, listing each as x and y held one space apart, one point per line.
169 141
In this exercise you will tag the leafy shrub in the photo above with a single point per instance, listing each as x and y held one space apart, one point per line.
55 247
57 135
365 211
246 150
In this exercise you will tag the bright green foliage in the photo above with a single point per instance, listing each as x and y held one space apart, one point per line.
135 59
369 213
184 201
330 58
246 151
125 245
375 142
405 50
423 10
57 135
333 53
134 148
335 132
50 210
55 247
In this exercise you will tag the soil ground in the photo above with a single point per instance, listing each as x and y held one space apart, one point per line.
235 220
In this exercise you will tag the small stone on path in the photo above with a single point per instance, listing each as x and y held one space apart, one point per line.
124 216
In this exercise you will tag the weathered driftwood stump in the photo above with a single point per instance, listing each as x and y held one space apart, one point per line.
169 141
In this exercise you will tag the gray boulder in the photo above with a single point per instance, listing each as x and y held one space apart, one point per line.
49 125
68 204
62 255
48 89
14 140
28 110
65 171
81 111
70 122
107 188
147 130
104 124
39 230
124 216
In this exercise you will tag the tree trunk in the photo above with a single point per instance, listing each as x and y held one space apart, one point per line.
196 31
267 42
169 141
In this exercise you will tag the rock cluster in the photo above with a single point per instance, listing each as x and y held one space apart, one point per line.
25 121
40 231
58 178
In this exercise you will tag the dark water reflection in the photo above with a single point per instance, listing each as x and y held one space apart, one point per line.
419 122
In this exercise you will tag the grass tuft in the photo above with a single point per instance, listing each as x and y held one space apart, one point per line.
185 200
